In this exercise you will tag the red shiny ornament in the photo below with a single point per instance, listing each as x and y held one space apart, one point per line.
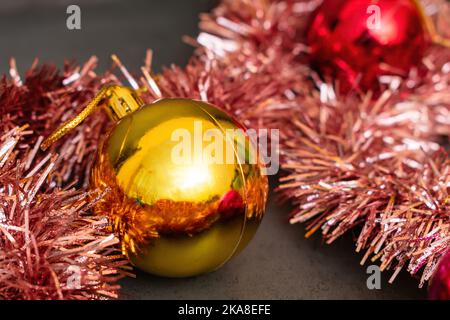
440 283
356 41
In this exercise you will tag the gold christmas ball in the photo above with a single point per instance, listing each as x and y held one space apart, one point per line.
184 186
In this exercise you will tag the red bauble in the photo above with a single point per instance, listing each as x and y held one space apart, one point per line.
356 41
440 283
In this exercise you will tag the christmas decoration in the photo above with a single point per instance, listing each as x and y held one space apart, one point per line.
440 282
356 42
181 207
373 160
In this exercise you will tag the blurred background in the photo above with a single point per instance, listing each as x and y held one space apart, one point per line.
37 28
279 263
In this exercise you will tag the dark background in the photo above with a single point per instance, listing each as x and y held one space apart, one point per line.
279 263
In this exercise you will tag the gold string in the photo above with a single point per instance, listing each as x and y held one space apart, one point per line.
71 124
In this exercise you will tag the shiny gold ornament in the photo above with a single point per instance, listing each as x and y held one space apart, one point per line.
185 186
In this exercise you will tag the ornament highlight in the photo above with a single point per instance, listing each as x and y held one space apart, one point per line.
357 41
183 183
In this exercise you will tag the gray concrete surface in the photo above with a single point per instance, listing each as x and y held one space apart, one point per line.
279 263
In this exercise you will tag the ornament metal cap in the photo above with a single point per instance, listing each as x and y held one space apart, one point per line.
117 100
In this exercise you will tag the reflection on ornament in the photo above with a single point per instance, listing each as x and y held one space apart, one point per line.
189 178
